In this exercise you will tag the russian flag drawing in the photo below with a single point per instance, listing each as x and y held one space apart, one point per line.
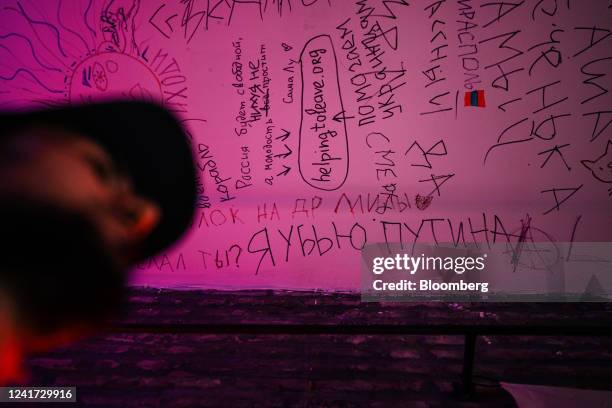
475 98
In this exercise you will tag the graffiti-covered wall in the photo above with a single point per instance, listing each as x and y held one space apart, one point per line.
320 126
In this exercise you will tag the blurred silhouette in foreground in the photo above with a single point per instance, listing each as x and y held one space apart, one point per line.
85 193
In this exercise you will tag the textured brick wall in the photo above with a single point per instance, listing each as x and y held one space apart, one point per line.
171 370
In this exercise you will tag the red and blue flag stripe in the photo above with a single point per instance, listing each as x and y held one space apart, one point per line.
475 98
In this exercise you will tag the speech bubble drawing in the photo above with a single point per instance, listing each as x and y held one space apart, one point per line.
323 142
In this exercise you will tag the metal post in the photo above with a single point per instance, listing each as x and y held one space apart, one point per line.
469 352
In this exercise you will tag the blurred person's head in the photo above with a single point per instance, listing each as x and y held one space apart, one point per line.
82 198
54 167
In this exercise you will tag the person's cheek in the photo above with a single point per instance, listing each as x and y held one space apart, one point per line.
68 182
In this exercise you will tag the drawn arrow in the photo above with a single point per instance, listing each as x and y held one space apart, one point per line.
286 154
284 136
284 172
339 117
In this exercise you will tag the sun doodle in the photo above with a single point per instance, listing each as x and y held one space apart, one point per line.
113 74
60 53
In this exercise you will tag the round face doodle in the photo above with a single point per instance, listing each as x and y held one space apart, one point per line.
113 75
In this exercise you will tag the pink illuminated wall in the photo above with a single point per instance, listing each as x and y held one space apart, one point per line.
321 125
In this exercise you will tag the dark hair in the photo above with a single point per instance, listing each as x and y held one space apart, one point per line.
56 269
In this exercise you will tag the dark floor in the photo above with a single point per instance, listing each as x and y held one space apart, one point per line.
187 370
